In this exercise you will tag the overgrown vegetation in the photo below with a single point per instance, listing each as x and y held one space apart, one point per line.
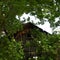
47 45
10 49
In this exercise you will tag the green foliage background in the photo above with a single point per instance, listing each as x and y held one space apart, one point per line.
10 49
48 45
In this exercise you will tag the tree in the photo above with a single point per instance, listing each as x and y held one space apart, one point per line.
43 9
10 49
49 9
48 46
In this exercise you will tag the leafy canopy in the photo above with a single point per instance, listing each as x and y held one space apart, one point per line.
49 9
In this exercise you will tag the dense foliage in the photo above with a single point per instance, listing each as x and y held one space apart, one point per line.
11 50
47 45
49 9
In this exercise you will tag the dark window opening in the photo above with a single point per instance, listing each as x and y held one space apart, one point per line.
28 35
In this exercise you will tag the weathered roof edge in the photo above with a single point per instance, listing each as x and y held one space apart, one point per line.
36 27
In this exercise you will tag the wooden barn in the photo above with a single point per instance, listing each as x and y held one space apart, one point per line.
27 38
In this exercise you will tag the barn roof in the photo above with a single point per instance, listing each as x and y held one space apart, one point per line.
32 25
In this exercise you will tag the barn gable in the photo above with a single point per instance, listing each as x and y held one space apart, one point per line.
27 39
